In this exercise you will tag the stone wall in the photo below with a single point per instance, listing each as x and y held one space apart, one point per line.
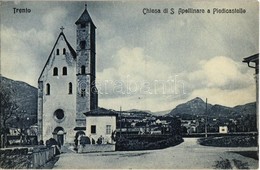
25 158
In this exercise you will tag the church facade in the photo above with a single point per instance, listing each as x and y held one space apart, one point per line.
66 86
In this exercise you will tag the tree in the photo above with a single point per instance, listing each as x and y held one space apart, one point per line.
176 126
8 109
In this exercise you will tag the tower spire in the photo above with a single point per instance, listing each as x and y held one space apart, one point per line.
85 17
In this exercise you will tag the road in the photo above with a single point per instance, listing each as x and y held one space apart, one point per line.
188 155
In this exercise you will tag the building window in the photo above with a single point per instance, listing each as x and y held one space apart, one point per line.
70 88
93 129
48 89
58 52
64 70
59 114
108 129
83 69
83 25
83 92
64 50
82 44
55 71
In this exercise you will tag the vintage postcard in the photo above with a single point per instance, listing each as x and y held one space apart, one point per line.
129 84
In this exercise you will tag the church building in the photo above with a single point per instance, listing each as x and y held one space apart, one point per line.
66 86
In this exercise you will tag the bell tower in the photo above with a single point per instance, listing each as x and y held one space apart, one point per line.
86 98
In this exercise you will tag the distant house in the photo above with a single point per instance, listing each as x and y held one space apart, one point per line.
191 125
223 129
158 121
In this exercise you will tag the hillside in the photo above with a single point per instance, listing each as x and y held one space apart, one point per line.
219 111
197 106
193 107
249 108
25 96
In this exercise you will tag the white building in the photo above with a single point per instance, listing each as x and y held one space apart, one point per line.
66 86
223 129
100 124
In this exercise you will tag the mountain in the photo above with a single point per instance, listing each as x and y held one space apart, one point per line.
249 108
136 113
136 110
24 95
161 113
193 107
197 106
221 111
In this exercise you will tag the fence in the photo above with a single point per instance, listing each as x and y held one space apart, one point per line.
193 135
41 156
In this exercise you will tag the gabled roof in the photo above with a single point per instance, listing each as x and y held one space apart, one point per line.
84 18
253 58
72 51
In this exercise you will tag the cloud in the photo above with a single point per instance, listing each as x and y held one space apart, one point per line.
227 97
221 72
54 18
223 81
167 57
134 66
220 79
138 81
23 49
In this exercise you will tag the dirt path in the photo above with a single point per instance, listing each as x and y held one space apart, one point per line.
188 155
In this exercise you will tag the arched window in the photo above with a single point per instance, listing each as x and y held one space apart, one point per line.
64 71
64 50
55 71
82 44
83 93
70 88
58 52
48 89
83 70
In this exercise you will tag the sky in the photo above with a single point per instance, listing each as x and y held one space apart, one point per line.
147 61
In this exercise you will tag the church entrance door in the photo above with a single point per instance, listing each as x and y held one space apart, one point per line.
60 137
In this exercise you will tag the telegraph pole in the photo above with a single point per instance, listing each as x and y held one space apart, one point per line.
206 119
120 125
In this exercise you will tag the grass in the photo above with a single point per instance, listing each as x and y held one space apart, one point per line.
227 164
223 164
240 165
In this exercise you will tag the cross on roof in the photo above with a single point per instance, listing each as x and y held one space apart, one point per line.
62 28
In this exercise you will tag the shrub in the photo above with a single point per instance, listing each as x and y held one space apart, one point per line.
229 141
146 143
41 142
51 142
84 140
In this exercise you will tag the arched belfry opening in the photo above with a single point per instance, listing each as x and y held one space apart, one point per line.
59 135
